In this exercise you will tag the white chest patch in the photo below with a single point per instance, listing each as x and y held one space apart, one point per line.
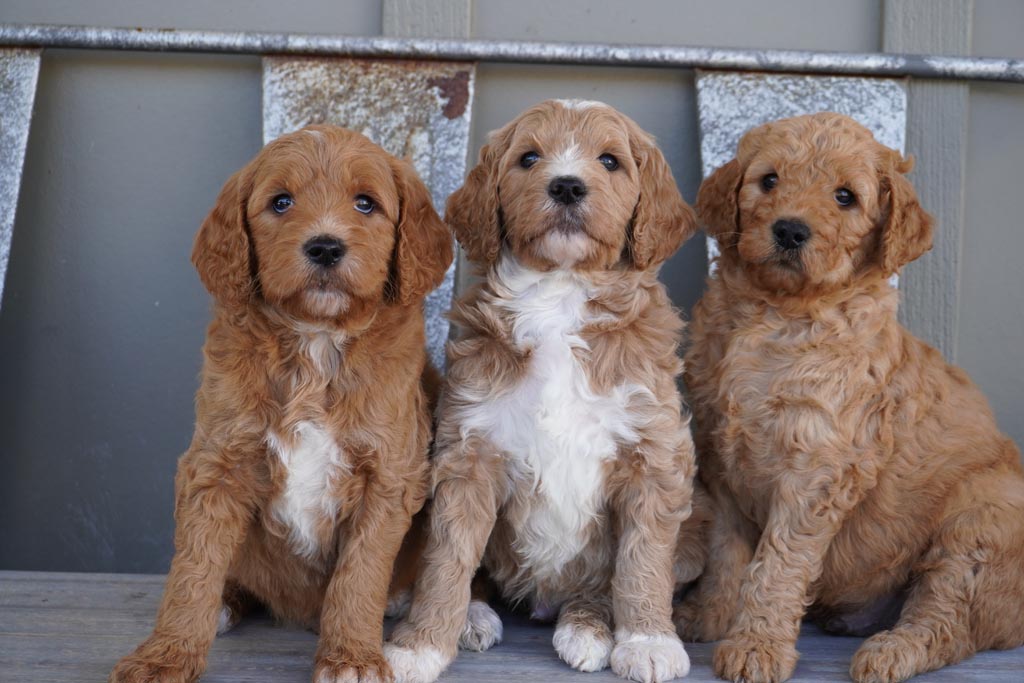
313 462
556 431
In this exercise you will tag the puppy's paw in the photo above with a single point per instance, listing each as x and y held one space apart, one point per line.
887 658
398 605
415 664
583 648
747 659
699 623
227 620
482 629
649 657
158 660
340 668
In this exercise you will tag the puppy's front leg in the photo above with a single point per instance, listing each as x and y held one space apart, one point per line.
651 500
708 610
804 517
352 619
469 488
213 509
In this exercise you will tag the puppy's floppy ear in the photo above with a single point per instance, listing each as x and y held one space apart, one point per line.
662 221
423 247
716 204
472 211
222 252
906 227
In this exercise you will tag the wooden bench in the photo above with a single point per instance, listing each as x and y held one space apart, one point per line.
72 628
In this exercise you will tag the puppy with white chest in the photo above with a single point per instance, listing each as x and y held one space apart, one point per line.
312 422
854 471
563 459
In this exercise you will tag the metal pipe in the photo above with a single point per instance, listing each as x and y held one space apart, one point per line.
590 54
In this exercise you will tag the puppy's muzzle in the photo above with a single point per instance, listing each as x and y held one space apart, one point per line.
324 251
790 235
567 190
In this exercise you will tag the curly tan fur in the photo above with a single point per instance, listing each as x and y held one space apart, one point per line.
852 469
309 375
601 557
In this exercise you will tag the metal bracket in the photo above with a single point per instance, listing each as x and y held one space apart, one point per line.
731 103
19 73
419 111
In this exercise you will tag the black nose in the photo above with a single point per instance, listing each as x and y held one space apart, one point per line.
790 235
567 189
324 251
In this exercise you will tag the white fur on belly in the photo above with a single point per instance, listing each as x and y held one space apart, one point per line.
556 431
312 460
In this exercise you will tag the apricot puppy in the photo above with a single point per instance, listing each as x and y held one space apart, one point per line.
561 448
310 449
852 469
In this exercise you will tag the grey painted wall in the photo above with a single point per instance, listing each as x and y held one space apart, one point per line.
991 325
103 318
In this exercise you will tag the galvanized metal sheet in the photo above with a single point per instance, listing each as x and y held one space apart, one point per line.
729 104
19 73
418 111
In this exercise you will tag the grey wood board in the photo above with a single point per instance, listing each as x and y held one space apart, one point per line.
74 627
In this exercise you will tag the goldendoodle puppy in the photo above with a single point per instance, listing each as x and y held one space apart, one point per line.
853 469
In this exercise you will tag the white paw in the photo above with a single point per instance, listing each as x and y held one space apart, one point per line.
350 675
649 657
226 620
482 629
583 648
421 665
398 605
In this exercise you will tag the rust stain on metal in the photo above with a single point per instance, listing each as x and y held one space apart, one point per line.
398 104
456 90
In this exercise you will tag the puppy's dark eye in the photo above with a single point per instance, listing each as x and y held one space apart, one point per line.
845 197
769 181
282 203
528 159
364 204
609 161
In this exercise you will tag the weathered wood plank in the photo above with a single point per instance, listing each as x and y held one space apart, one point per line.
73 627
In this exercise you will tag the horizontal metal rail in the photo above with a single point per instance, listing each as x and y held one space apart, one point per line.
592 54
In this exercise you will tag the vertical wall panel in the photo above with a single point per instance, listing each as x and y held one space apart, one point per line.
936 130
991 316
